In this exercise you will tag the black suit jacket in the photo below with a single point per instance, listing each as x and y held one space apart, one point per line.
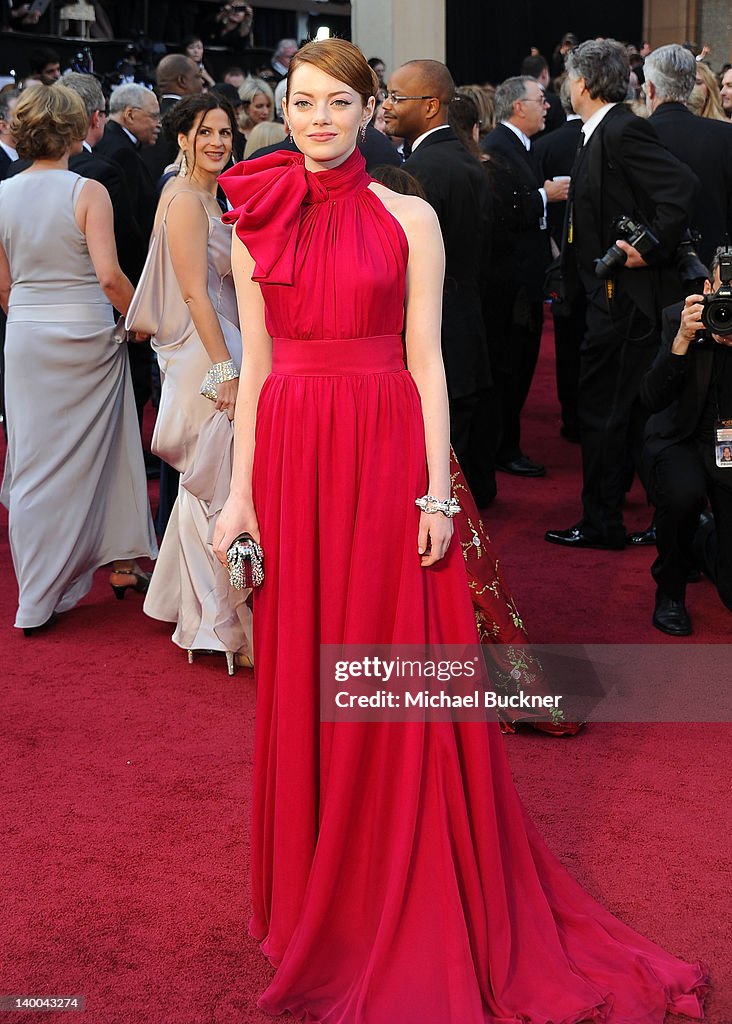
517 178
156 158
555 116
675 388
555 154
705 146
117 146
457 189
130 242
5 164
625 169
376 149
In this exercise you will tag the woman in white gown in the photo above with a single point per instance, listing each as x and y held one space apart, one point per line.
186 300
74 480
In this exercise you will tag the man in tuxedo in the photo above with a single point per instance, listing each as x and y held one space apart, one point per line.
689 390
416 109
176 76
555 153
522 196
702 143
8 154
622 170
134 123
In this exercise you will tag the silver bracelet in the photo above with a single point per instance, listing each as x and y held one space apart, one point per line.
218 374
430 505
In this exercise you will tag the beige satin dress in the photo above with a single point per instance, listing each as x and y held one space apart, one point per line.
189 585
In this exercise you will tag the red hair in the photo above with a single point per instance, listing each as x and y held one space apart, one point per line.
341 60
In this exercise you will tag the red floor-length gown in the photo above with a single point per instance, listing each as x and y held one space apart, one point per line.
396 878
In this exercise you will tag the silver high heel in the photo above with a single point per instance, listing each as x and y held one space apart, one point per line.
230 662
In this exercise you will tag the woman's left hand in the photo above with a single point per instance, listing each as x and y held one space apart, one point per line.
435 533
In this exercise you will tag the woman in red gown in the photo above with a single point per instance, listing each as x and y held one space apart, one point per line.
396 879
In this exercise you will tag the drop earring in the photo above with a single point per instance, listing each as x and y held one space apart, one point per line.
363 133
183 169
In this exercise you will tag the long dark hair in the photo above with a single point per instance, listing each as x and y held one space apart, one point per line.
182 116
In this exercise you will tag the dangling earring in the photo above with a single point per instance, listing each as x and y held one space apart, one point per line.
289 132
363 133
183 169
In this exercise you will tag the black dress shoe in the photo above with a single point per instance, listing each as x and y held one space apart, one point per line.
670 616
575 537
522 466
642 537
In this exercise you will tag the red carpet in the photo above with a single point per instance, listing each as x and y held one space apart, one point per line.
126 778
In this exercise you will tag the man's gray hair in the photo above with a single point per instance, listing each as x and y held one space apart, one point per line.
130 95
508 92
603 63
672 69
87 87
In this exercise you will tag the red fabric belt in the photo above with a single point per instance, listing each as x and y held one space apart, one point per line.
377 354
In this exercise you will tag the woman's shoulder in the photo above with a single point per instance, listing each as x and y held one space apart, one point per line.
413 213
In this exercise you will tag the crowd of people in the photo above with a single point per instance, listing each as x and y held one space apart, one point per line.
387 262
498 166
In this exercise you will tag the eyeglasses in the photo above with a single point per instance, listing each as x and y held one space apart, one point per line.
153 115
534 99
104 111
394 97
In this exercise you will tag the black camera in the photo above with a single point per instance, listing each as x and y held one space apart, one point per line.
635 234
717 313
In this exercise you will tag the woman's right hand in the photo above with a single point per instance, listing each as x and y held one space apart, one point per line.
226 396
236 517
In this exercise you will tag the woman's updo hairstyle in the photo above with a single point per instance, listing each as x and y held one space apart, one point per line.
48 120
339 59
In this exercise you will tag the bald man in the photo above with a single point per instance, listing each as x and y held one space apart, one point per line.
176 76
415 109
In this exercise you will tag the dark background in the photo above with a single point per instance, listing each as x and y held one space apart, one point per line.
486 41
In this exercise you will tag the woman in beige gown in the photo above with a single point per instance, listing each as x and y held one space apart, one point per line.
186 300
74 480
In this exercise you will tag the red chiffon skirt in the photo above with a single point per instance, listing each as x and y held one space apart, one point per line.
396 879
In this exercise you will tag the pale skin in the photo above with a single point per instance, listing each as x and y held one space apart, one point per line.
325 116
209 140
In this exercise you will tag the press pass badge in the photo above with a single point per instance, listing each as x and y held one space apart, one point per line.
723 444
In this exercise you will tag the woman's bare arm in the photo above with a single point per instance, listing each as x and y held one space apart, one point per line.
95 218
425 275
238 514
5 280
187 229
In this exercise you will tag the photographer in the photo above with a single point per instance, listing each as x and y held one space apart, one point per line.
622 170
689 388
232 26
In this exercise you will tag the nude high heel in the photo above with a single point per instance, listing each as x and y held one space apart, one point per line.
230 663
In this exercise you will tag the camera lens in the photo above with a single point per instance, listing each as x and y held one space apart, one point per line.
717 316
